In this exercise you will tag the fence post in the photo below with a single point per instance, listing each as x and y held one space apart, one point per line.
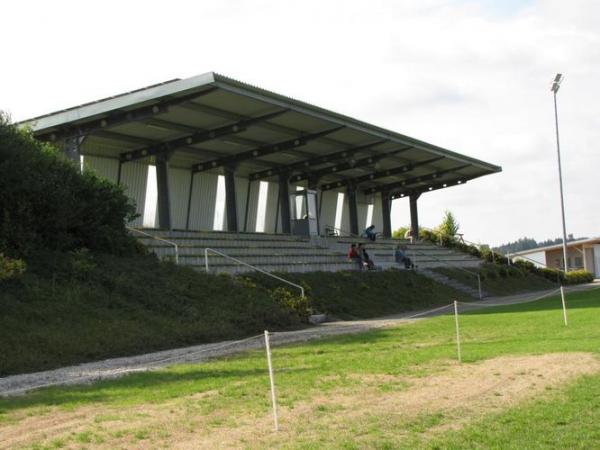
564 306
206 259
479 286
272 380
457 331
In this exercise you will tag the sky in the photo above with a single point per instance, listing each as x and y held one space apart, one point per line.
472 76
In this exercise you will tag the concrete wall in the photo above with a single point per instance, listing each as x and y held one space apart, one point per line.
589 260
554 258
537 258
250 224
179 191
328 205
204 198
134 177
377 213
103 167
272 210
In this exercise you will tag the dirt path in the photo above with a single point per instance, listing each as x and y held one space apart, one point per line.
116 367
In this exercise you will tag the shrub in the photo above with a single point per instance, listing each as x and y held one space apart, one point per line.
578 277
400 232
11 269
296 303
46 203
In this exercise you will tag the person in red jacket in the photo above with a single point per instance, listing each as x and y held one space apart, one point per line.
353 255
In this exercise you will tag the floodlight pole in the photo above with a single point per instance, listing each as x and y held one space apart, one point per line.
555 87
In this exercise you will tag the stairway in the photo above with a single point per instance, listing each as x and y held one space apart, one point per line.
443 279
286 253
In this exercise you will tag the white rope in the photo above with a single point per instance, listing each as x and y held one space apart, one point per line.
207 350
516 302
429 311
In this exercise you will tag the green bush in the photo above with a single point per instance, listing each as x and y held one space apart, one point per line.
578 277
299 305
46 203
11 269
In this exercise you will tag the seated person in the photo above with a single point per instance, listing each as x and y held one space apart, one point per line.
370 233
354 255
401 257
367 261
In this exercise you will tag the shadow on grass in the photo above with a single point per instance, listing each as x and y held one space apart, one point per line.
150 387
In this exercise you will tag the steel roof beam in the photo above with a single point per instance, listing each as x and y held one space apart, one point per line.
330 157
167 125
415 180
211 110
379 174
349 165
433 187
263 150
195 138
125 137
120 117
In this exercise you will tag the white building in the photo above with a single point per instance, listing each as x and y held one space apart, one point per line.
583 254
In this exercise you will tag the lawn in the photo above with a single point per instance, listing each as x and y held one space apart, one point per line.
526 381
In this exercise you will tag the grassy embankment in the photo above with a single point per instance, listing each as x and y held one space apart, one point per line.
76 307
356 391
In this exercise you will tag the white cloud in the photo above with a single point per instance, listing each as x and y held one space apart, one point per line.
469 76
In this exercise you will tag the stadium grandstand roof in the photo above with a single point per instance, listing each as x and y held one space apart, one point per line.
210 121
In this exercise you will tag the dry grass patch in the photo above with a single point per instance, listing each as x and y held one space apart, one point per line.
453 398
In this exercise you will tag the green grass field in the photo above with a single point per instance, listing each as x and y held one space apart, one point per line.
526 381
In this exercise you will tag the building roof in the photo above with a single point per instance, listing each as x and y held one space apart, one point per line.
208 122
595 240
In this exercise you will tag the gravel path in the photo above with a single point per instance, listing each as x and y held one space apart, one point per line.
116 367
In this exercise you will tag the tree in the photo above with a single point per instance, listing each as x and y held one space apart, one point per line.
449 226
45 203
400 232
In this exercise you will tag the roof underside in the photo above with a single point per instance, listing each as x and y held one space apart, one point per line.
210 122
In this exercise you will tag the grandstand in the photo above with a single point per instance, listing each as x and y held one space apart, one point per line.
255 175
286 253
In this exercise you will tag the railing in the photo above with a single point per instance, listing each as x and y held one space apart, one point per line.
216 252
340 232
159 239
460 238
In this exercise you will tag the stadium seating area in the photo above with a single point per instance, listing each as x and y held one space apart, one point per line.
284 253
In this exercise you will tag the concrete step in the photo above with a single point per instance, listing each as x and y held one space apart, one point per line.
175 234
313 267
443 279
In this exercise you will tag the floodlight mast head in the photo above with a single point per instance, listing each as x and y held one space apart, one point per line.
556 84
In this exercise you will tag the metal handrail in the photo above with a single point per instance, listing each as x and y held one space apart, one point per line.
346 232
206 250
478 246
159 239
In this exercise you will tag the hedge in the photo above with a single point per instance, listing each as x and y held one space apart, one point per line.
46 203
